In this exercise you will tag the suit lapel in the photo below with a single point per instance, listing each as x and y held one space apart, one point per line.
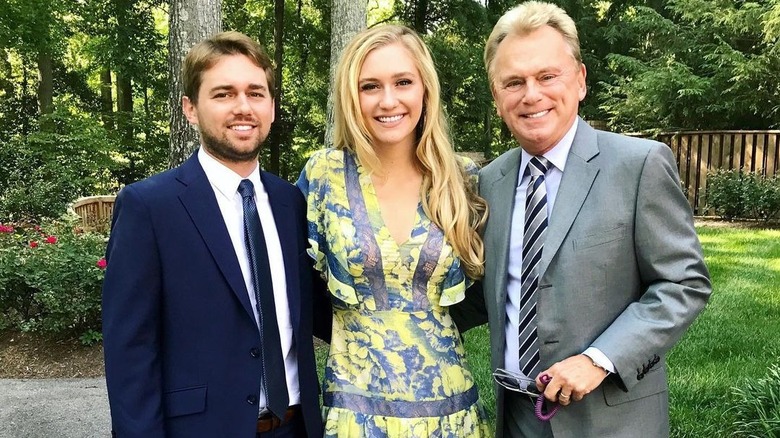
200 202
575 185
500 191
285 220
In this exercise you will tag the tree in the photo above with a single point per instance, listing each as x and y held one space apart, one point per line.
347 18
191 21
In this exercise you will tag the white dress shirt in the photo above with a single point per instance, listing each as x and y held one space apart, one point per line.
557 157
225 184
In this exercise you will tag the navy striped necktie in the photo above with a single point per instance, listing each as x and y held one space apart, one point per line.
534 230
273 377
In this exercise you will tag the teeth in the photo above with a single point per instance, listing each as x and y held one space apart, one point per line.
241 128
537 115
390 119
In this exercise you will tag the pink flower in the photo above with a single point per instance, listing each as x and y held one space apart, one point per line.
51 239
37 228
33 244
102 263
6 228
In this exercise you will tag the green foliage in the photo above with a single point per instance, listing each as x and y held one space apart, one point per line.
757 406
71 155
736 194
692 64
51 278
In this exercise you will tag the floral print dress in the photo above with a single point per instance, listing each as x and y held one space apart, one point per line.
396 366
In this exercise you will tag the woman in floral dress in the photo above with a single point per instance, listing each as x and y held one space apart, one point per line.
393 219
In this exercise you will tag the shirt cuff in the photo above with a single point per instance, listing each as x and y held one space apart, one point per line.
599 359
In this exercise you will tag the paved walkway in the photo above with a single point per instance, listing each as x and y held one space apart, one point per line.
62 408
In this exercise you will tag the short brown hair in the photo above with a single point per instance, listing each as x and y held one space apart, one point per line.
206 53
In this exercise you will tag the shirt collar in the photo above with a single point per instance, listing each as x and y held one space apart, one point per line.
223 179
557 155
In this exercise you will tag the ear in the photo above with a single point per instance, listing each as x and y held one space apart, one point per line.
189 109
581 75
273 110
495 98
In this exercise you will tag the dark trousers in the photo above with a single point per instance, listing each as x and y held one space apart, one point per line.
520 420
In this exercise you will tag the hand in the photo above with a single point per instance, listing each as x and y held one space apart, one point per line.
571 379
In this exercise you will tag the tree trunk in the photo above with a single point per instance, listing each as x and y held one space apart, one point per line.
106 98
347 17
420 12
277 129
46 83
191 21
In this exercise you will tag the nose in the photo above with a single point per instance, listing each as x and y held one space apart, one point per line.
242 105
389 100
532 92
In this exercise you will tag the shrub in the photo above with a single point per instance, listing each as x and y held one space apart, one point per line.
735 194
757 409
51 277
45 170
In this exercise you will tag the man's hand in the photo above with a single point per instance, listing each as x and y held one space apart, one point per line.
572 379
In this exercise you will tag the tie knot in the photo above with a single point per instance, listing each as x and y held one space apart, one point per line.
537 166
246 189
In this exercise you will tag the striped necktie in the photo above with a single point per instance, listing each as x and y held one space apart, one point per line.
533 242
273 377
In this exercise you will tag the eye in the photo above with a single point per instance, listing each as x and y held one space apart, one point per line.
548 77
404 82
256 95
369 86
220 95
514 84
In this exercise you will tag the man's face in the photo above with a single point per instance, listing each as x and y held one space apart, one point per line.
234 110
537 86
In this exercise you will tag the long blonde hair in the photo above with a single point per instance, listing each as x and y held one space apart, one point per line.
449 198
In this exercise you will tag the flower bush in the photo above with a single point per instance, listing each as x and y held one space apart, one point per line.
51 278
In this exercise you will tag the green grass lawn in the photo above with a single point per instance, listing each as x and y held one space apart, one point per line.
732 342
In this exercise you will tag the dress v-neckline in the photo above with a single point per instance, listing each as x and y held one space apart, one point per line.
377 222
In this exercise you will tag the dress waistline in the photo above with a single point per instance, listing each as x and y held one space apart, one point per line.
401 408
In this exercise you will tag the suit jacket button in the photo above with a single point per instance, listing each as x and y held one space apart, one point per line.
251 399
254 352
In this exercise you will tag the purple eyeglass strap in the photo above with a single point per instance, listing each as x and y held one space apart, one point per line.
542 416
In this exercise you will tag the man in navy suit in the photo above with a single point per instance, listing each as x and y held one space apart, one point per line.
182 326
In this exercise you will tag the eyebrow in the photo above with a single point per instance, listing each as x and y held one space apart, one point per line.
395 76
231 87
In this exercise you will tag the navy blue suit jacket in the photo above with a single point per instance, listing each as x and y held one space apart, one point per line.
181 343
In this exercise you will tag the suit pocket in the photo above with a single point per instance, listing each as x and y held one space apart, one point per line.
600 238
653 383
185 401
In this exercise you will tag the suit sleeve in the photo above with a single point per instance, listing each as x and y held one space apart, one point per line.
131 321
471 312
674 278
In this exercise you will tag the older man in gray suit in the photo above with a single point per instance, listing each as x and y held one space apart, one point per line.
593 266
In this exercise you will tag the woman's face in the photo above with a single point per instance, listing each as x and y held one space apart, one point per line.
391 96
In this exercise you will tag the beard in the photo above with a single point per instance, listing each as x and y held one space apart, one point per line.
223 149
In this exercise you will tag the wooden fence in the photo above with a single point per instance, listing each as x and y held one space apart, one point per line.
699 152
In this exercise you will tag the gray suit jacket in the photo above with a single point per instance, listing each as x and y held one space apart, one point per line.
622 270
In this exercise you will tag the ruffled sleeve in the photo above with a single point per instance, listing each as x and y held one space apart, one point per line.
318 187
313 184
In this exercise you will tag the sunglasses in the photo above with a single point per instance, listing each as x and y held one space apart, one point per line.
524 385
516 382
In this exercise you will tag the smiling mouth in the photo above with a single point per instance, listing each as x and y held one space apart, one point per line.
390 119
536 115
242 128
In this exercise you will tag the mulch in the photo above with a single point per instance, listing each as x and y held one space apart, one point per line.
27 355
